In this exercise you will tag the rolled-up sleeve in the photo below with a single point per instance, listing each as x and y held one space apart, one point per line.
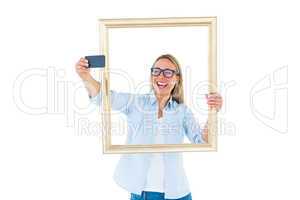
96 99
120 101
192 127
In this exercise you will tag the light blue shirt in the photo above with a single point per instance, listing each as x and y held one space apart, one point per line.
142 120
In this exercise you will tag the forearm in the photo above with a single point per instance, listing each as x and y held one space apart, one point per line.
93 87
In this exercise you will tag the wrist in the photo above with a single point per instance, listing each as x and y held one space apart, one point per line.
87 78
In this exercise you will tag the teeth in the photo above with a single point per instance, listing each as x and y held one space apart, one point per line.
161 83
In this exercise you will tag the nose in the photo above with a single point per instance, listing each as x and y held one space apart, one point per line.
161 75
161 78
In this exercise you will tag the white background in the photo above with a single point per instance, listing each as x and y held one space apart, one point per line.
54 152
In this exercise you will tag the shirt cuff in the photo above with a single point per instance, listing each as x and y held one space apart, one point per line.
96 99
198 139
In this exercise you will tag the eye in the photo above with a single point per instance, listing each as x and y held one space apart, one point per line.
168 73
155 71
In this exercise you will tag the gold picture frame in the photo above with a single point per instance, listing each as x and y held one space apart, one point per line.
105 25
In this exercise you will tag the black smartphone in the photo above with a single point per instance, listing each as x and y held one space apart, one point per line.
96 61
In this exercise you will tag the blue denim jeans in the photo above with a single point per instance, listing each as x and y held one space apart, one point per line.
155 196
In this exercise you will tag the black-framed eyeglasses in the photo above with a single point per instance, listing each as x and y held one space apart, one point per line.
168 73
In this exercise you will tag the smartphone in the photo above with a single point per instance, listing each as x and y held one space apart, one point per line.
96 61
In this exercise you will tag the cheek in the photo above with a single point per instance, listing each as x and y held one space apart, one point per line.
172 82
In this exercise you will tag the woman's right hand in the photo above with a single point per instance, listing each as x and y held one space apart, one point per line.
90 83
82 69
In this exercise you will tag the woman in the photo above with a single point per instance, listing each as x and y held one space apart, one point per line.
155 176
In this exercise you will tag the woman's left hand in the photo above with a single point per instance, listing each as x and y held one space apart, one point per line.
214 100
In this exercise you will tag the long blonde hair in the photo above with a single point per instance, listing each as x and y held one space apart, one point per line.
177 92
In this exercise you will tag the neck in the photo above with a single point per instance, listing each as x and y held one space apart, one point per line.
162 100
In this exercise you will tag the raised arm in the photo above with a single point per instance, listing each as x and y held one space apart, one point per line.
93 87
120 101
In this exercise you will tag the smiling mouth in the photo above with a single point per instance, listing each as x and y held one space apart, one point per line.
161 85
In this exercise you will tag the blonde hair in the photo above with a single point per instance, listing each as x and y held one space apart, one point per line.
177 92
